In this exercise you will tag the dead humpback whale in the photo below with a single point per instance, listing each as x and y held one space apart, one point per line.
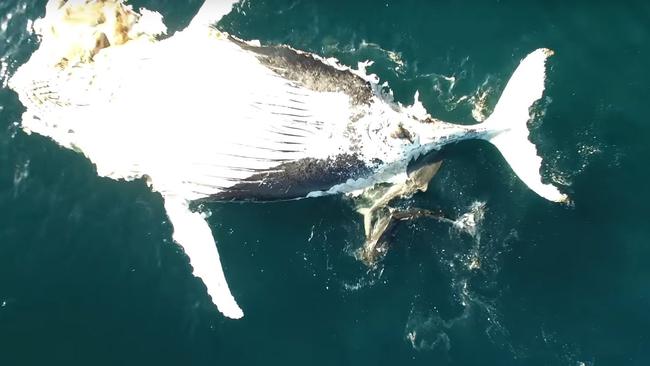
242 121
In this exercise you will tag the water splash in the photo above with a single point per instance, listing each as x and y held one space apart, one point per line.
426 330
470 221
21 173
564 168
394 57
327 251
384 59
464 259
480 101
15 31
471 265
4 72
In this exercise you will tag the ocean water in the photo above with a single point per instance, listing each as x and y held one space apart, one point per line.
89 274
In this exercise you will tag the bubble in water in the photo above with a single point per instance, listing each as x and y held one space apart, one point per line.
20 174
427 330
470 222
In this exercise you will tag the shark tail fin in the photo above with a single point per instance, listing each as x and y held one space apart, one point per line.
507 127
366 212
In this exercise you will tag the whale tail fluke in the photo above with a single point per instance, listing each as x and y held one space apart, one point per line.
507 127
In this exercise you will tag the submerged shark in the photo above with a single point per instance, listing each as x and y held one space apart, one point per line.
242 121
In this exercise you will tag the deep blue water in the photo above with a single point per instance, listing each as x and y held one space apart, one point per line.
89 274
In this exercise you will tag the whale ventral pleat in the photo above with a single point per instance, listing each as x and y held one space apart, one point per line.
295 179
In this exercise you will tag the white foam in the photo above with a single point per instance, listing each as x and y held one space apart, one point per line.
470 221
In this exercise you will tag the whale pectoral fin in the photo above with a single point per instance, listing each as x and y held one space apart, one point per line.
211 12
192 232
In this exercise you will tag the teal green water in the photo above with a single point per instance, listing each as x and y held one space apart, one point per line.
89 274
